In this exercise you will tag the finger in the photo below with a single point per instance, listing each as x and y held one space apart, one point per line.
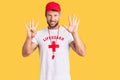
36 25
26 26
78 22
65 27
75 19
32 23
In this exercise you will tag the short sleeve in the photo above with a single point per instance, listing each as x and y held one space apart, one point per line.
70 38
35 39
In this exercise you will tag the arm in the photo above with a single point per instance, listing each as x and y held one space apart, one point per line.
29 46
77 45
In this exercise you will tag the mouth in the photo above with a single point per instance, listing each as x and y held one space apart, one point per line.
52 22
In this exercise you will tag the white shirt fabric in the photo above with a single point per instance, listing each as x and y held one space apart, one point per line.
57 68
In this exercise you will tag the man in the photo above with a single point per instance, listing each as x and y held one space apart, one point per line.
54 42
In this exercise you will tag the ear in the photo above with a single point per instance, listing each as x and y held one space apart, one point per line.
60 14
45 14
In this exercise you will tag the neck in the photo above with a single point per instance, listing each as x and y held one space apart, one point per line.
53 28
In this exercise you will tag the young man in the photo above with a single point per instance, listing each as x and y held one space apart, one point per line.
54 42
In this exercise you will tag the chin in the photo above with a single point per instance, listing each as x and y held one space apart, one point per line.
52 26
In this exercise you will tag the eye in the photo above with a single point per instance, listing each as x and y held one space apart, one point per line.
48 15
55 15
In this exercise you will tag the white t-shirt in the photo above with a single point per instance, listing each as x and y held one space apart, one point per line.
57 68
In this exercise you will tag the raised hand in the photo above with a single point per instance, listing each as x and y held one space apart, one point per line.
31 29
73 24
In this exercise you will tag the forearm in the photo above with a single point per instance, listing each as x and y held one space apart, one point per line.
26 50
79 45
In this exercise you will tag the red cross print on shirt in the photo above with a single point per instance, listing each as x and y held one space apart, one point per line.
53 46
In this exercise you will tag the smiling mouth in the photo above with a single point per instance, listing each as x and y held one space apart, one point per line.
52 22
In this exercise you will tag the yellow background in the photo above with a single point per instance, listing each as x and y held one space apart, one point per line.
99 29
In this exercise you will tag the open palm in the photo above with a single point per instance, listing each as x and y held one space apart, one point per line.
31 29
73 24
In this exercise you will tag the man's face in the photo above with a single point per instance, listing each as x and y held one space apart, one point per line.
52 18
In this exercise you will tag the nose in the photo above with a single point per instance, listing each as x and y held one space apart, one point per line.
52 18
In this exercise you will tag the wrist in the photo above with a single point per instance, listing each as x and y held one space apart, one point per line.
74 32
28 38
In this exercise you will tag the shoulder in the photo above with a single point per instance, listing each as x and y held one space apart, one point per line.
62 28
40 31
65 31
